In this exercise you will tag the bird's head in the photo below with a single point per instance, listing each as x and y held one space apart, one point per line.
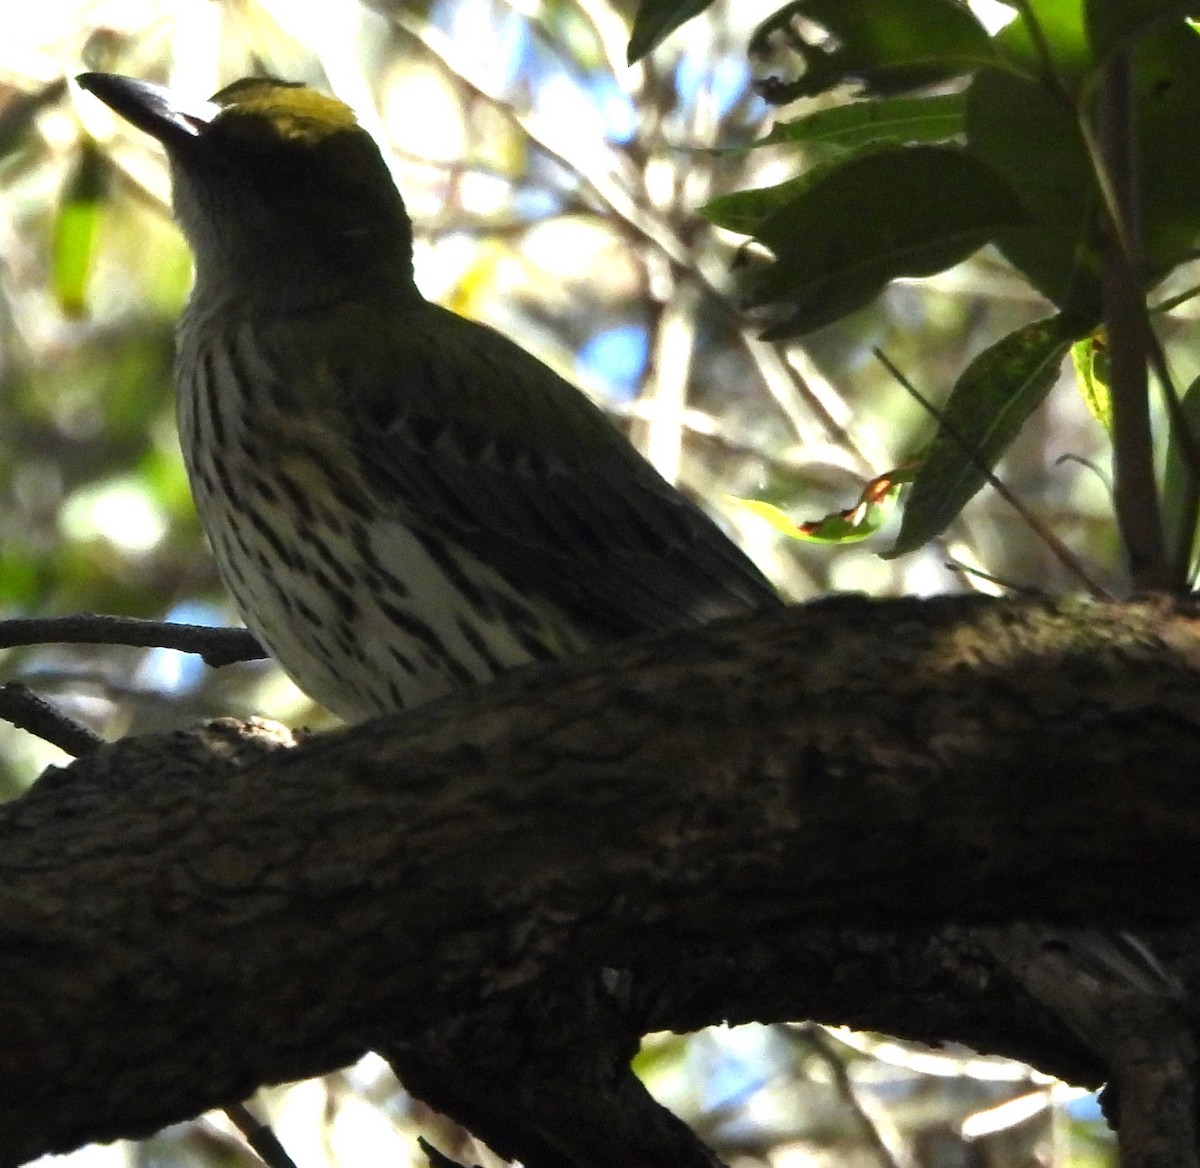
276 186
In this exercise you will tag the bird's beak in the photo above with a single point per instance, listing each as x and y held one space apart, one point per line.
151 107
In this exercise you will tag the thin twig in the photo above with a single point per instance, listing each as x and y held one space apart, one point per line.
259 1136
961 569
819 1042
1041 45
28 711
646 223
1173 302
1087 464
215 646
1054 545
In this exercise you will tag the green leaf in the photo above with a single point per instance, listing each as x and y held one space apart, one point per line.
77 228
743 211
1029 133
1027 127
1049 41
886 46
895 212
987 408
1177 484
1090 358
656 20
1112 24
1166 67
895 120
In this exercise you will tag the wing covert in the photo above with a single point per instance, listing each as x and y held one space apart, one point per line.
468 438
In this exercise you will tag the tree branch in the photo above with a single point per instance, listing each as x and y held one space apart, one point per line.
1135 490
21 707
215 646
780 817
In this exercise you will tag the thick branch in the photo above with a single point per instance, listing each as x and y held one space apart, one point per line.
660 837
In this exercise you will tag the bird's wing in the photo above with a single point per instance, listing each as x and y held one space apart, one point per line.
466 436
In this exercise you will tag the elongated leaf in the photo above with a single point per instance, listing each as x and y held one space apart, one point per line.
894 120
1177 504
987 408
77 228
656 20
1030 134
743 211
1167 83
746 211
907 211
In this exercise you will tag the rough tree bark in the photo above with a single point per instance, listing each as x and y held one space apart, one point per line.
821 813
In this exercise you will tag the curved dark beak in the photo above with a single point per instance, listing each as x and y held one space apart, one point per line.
151 107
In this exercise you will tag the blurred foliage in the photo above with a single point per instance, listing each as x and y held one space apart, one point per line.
556 193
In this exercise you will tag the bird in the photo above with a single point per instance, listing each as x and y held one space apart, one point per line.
402 502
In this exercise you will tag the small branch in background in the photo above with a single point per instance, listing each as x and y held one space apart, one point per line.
952 565
1173 302
27 711
20 111
1041 45
259 1136
1087 464
1139 516
785 385
215 646
1056 547
872 1121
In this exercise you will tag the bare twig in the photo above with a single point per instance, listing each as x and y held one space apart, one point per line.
643 222
215 646
952 565
1173 302
259 1136
1041 45
28 711
889 1154
1054 545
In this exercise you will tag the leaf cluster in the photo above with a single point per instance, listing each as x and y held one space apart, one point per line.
922 137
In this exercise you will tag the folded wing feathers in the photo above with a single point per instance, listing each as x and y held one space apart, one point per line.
554 498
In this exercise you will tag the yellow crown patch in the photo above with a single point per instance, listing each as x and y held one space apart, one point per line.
295 111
